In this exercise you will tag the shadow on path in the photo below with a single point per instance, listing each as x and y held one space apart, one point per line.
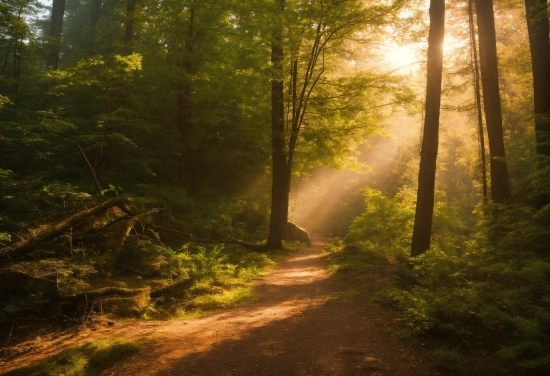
297 325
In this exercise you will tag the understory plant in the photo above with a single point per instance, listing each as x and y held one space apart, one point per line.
488 285
496 291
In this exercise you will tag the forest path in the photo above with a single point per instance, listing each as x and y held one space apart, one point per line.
300 323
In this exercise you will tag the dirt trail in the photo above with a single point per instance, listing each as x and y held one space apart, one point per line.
297 325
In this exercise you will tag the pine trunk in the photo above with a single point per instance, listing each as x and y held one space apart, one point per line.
426 176
477 92
184 105
280 188
56 27
539 42
129 27
95 15
500 184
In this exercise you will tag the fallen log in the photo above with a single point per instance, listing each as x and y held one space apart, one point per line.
191 238
117 245
120 301
102 293
252 246
45 232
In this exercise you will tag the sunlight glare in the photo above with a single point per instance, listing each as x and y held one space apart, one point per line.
407 56
402 57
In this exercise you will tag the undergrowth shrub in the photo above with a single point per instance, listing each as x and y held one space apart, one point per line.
449 360
386 224
497 290
194 277
488 285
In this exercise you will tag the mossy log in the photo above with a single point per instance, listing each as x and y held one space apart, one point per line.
120 238
103 292
37 235
261 247
117 300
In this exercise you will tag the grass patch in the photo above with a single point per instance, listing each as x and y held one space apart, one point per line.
351 293
218 278
365 269
87 360
223 299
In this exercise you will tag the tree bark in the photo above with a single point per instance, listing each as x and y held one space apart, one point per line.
280 188
56 27
477 92
428 156
184 106
129 27
500 184
95 15
539 43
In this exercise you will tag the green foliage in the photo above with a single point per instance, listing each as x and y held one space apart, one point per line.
385 223
4 101
356 264
449 360
223 299
497 288
195 278
90 359
207 264
253 264
5 238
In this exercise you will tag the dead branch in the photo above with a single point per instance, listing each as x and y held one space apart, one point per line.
119 243
91 168
42 233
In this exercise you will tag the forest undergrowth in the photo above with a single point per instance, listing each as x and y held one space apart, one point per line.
483 293
134 264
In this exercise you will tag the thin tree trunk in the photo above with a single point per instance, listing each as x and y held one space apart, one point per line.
428 155
95 12
95 15
183 110
129 27
280 189
477 90
539 42
56 27
500 184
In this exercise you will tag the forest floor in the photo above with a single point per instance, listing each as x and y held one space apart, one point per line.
303 321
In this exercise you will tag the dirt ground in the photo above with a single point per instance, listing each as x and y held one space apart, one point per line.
300 323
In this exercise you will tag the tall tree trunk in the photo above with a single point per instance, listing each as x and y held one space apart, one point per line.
428 155
95 15
539 42
17 40
500 184
129 27
183 110
95 12
477 90
280 188
56 27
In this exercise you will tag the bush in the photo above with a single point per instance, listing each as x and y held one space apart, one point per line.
497 290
